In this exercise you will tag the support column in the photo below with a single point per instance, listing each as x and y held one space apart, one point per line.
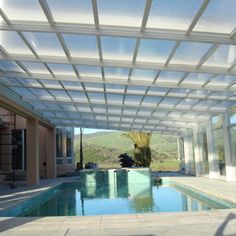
186 155
214 170
197 152
230 165
51 153
32 149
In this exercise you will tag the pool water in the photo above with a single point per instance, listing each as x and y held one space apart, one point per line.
73 199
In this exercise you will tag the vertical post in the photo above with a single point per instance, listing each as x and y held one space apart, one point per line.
230 167
81 150
186 155
214 170
32 148
51 153
198 156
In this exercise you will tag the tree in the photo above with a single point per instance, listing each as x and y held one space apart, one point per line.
142 151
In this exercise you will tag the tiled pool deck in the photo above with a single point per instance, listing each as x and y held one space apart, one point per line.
215 222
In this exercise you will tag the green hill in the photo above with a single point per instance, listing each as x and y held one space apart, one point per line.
105 147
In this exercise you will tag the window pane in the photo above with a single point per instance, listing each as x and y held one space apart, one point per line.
29 10
232 115
83 46
143 75
169 77
190 53
10 66
73 11
36 68
233 141
219 17
59 142
116 73
89 71
45 44
61 69
116 48
112 12
156 51
13 44
224 56
172 14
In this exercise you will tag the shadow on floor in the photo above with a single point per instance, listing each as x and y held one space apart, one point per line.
11 223
222 229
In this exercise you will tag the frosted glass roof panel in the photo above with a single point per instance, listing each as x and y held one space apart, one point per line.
89 71
170 76
222 81
219 17
51 84
94 87
143 75
78 96
117 48
10 66
196 79
116 73
42 93
136 89
36 68
132 99
151 101
115 98
79 11
23 10
29 82
190 53
156 51
13 44
115 88
24 92
72 85
157 91
84 46
60 95
45 44
112 12
172 14
9 81
224 56
61 69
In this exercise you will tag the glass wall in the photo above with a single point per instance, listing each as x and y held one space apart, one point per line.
232 129
69 144
202 140
59 146
218 142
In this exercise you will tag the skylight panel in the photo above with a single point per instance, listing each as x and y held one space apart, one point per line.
13 44
219 17
10 66
82 46
143 75
45 44
121 13
79 11
156 51
190 53
61 69
224 56
22 10
36 68
172 14
117 48
89 71
116 73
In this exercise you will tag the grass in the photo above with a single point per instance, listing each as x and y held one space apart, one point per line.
165 166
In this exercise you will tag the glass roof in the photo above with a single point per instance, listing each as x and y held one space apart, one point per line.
158 65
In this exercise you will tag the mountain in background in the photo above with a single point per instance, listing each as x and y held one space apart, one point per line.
105 147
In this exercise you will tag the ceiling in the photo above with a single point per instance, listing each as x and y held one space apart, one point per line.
159 65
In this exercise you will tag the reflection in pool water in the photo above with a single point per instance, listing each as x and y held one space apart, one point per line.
74 199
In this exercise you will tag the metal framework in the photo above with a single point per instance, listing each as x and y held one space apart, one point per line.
115 70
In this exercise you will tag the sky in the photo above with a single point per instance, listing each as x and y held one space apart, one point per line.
91 131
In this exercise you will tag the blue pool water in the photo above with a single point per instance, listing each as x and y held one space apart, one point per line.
73 199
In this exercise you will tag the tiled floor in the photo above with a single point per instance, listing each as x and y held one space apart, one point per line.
215 222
